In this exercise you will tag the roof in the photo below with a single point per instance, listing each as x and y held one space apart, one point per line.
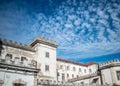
76 63
90 63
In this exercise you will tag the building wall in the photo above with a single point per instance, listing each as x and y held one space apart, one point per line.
55 71
42 60
9 78
72 73
94 68
114 74
16 52
106 75
79 70
89 81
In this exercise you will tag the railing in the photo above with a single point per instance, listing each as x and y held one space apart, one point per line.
54 83
84 77
18 63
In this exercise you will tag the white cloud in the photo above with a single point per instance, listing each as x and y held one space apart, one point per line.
78 33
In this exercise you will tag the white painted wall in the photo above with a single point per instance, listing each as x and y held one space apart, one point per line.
94 68
42 60
114 75
89 81
77 72
106 75
9 78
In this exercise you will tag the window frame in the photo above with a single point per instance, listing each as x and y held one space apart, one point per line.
47 54
47 68
118 74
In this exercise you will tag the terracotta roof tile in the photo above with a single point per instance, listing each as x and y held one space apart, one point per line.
76 63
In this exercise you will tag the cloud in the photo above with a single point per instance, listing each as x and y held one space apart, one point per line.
81 29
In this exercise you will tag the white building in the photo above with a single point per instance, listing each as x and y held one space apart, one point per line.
37 64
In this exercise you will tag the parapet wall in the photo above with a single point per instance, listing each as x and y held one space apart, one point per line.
44 41
16 45
114 62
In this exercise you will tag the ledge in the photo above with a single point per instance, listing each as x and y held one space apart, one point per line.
16 67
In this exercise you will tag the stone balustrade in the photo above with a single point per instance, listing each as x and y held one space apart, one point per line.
24 63
84 77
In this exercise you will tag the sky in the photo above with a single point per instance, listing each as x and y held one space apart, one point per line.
85 30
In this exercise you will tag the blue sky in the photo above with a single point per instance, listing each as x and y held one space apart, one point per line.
85 30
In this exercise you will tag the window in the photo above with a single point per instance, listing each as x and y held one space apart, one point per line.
61 67
46 67
18 84
85 70
118 75
72 75
73 68
79 69
58 74
63 77
82 83
23 58
67 75
9 56
47 54
90 70
68 67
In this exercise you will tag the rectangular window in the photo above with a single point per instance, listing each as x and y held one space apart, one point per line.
47 54
23 58
90 70
68 67
46 67
9 56
85 70
18 84
73 68
79 69
72 75
61 67
118 75
63 77
67 75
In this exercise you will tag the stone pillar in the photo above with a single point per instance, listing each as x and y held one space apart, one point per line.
35 79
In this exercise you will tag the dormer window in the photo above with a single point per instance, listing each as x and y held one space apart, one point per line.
47 54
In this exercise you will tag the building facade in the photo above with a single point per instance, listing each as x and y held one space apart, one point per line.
36 64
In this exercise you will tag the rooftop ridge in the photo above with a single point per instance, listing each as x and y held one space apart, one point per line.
77 63
15 44
69 61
